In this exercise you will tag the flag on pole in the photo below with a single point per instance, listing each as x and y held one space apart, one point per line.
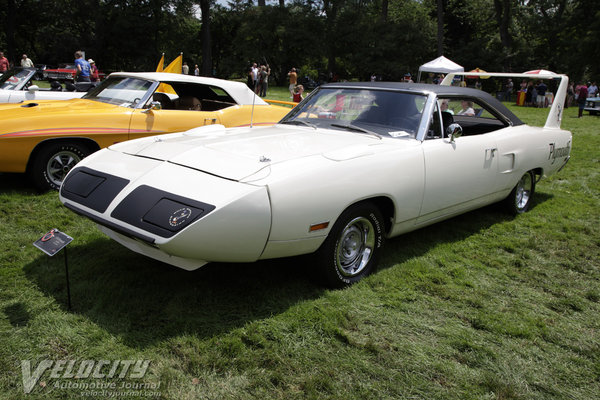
175 66
161 64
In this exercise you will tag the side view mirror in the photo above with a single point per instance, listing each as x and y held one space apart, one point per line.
454 131
155 105
33 88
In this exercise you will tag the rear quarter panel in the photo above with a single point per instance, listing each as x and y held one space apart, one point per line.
238 116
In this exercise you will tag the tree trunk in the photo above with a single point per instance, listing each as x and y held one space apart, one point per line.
440 27
330 7
10 32
206 69
503 14
384 10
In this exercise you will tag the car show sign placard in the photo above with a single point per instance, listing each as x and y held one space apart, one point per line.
53 242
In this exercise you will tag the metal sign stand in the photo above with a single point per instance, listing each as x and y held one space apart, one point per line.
68 284
51 243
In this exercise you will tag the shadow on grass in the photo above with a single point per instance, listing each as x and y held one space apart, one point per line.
19 183
144 301
414 244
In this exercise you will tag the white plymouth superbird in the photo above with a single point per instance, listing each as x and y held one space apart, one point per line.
352 165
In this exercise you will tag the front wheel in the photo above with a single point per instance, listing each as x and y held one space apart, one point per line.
519 199
53 162
351 250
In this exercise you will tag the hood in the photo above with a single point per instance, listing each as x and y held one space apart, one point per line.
237 153
35 107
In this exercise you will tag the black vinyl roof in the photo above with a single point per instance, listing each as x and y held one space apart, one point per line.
442 91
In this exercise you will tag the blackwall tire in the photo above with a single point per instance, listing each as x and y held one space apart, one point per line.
353 246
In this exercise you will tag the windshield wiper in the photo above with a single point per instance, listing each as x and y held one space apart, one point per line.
298 122
355 128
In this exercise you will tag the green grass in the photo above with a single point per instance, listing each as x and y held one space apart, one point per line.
483 306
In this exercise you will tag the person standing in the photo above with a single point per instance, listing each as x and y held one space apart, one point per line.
196 70
4 64
298 97
94 73
185 69
26 62
264 77
541 94
83 67
255 71
508 89
293 76
582 94
592 90
570 95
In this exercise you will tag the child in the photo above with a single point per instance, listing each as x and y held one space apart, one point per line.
298 94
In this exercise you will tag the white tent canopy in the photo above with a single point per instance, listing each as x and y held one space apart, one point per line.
441 65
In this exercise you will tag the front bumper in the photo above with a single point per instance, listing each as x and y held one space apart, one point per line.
171 213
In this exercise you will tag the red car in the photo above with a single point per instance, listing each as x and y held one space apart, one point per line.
64 72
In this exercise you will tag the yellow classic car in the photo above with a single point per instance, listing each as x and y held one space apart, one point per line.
45 139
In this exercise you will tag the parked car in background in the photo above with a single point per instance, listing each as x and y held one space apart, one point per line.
47 138
308 83
65 72
592 105
18 84
351 165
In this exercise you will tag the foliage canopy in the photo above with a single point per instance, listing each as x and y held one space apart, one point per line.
351 38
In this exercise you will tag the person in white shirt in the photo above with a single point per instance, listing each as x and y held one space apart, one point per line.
26 62
467 108
592 90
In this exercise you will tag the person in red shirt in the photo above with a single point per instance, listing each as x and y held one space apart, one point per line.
298 94
582 94
4 64
94 73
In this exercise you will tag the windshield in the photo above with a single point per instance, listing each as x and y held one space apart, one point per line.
384 112
13 79
121 91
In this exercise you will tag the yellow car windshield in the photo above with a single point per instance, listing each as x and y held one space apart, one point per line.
121 91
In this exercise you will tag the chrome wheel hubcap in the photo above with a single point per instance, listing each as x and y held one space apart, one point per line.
355 247
59 165
523 191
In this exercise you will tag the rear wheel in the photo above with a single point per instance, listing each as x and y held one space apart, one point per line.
351 250
519 199
53 162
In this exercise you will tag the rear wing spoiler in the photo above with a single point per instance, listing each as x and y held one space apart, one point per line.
556 111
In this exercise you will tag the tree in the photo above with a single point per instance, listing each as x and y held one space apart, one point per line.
205 39
440 27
